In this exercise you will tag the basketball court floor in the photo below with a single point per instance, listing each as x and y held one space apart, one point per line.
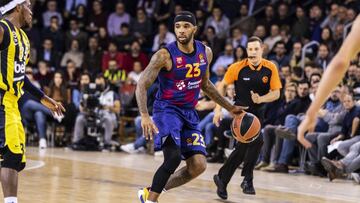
60 175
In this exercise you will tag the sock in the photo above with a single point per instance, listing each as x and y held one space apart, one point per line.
10 200
164 190
148 201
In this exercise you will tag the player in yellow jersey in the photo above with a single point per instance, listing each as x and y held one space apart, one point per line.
331 78
14 55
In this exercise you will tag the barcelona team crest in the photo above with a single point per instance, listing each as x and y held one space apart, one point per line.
202 59
180 62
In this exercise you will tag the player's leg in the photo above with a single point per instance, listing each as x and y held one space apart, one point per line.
13 153
193 150
172 159
195 166
252 155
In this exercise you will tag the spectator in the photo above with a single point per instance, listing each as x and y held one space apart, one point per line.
333 115
71 74
51 12
224 60
280 54
219 21
134 76
72 5
237 38
300 28
163 37
75 34
77 95
163 10
103 38
323 57
274 36
32 110
215 43
43 74
97 18
269 18
326 38
148 6
112 54
283 15
240 53
74 54
248 22
48 53
54 33
114 75
125 39
141 26
135 54
260 31
116 19
332 19
81 16
93 57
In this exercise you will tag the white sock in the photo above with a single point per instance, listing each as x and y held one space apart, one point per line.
10 200
148 201
164 190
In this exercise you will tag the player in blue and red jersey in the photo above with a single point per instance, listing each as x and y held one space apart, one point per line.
182 68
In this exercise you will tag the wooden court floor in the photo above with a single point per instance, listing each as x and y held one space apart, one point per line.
65 176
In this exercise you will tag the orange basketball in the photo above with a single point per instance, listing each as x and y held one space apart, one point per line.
245 127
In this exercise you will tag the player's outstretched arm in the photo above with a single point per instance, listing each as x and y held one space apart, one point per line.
158 61
210 90
55 107
331 78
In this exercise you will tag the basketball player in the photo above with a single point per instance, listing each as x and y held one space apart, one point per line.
331 78
256 82
14 55
182 70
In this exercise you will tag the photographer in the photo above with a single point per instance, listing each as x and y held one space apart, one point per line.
107 109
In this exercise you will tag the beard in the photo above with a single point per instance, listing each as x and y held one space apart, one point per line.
184 42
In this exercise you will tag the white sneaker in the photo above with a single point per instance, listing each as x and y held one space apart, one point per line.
158 153
356 177
128 148
42 143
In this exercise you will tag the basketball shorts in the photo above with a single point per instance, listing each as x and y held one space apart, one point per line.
12 134
181 125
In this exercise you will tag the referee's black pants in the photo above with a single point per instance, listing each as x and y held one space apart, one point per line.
248 153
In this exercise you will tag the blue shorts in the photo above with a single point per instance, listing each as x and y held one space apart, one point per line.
181 125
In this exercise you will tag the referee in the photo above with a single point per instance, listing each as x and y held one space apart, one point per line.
256 82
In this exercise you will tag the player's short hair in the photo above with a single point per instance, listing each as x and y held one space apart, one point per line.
254 39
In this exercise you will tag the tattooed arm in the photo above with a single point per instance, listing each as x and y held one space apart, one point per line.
161 59
210 90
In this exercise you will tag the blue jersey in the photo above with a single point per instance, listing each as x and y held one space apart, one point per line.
181 85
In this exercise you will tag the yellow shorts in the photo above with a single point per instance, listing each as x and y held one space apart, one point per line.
12 134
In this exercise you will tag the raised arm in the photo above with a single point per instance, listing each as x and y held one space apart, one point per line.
159 60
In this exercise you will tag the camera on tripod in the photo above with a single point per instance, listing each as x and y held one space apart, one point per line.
91 106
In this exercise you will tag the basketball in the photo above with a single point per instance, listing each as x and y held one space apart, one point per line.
245 127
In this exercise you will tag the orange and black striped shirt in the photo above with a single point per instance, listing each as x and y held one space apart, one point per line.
247 78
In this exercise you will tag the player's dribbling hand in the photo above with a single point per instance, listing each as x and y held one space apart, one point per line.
55 107
307 124
148 127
